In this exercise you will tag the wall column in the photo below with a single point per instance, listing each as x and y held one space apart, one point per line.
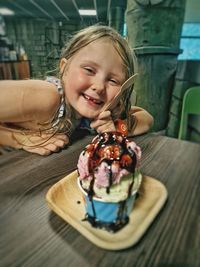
154 30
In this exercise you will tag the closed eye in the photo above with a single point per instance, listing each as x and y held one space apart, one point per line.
114 82
89 70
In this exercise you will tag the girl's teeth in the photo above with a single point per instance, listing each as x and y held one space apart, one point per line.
97 101
91 99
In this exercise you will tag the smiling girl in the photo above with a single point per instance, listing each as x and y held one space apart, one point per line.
40 116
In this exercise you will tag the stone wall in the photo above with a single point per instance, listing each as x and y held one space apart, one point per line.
41 39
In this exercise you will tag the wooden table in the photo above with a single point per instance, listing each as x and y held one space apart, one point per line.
32 235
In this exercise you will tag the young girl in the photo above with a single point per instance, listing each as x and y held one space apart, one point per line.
40 116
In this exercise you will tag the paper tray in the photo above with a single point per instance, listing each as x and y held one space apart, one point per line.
65 199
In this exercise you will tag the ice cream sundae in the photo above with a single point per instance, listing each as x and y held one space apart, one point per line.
109 178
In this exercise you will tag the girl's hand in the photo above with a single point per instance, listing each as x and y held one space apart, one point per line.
43 144
103 123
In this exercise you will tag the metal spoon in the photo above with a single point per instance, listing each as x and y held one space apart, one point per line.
124 86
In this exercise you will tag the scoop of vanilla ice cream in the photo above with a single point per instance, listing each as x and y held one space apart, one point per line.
118 192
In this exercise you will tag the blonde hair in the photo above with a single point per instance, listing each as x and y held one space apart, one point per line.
77 42
93 33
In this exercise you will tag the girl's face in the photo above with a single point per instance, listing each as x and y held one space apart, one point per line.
93 77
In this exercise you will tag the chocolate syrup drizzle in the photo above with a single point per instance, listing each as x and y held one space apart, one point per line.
102 141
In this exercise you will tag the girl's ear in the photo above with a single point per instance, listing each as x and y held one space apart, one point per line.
63 63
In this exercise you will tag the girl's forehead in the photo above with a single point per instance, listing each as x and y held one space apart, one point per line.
99 44
98 49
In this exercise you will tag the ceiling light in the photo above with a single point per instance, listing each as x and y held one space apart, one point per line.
6 11
87 12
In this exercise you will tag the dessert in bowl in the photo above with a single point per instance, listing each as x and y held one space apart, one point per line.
109 179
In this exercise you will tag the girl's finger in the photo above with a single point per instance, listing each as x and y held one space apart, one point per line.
52 139
38 150
63 137
52 147
104 114
97 123
105 128
60 143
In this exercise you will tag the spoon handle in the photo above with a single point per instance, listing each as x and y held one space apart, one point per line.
124 87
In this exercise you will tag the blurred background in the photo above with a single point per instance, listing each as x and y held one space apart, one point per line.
164 34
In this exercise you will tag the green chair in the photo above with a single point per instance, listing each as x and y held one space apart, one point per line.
191 105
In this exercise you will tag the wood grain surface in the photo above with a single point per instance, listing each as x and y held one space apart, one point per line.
32 235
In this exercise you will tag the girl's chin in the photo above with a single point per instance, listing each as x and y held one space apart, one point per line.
88 114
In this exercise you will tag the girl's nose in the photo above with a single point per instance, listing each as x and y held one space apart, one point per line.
99 85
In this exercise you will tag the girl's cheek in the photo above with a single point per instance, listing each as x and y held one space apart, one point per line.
83 80
77 80
113 91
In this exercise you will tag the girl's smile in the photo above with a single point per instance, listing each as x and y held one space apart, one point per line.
92 100
93 77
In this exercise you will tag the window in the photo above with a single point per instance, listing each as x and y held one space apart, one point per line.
190 41
124 30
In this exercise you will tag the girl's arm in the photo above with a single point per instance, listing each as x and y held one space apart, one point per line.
47 142
144 121
7 138
27 100
27 103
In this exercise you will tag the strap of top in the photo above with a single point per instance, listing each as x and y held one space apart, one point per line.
84 123
61 119
57 83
